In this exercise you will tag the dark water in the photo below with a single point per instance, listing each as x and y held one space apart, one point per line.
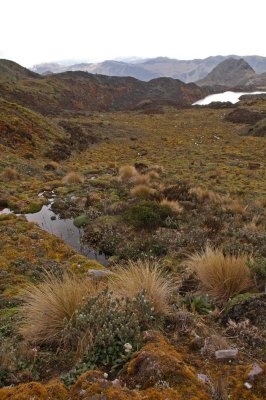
65 229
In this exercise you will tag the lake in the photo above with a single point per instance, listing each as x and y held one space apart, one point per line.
232 97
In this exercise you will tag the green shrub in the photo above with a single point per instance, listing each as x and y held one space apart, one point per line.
258 267
116 326
81 220
147 215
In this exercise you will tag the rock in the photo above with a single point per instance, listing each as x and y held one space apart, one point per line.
226 354
256 370
247 385
203 378
247 306
244 116
116 383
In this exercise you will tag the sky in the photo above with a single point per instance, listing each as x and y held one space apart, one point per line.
34 31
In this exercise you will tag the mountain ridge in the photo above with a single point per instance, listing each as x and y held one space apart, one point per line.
146 69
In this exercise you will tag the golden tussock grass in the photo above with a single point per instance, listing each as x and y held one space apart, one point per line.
51 305
9 174
222 276
174 205
141 179
127 173
153 175
139 276
72 178
142 191
206 195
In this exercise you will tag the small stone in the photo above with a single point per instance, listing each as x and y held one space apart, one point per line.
82 392
105 375
116 383
203 378
247 385
256 370
226 354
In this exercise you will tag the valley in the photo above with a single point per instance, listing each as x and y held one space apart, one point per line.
140 181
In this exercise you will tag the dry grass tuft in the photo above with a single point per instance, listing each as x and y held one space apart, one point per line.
235 206
157 168
141 179
9 174
72 178
127 173
174 205
142 191
146 276
206 195
153 175
222 276
49 307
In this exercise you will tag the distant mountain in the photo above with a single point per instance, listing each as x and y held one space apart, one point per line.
230 72
185 70
76 90
234 73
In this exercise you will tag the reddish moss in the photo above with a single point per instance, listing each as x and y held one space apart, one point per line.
159 362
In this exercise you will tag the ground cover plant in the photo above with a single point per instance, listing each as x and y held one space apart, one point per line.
177 201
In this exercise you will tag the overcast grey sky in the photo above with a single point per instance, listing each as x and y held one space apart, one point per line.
34 31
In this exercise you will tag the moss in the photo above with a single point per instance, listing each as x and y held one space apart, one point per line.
81 220
36 391
241 298
147 215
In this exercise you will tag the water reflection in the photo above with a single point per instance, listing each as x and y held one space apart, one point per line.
65 229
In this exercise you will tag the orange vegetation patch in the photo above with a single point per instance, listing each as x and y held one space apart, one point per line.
159 362
36 391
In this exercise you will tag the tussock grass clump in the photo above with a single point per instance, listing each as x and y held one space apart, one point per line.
9 174
127 173
72 178
143 276
142 191
174 205
206 195
222 276
51 306
141 179
235 206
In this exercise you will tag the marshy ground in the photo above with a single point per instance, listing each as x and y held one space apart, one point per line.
191 179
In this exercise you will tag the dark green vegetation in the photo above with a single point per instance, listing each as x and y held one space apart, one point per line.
191 179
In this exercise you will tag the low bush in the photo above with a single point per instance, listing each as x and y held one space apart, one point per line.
147 215
117 326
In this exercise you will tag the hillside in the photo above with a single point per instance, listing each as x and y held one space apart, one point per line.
83 91
185 70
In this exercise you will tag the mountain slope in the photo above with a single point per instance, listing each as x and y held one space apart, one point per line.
229 73
84 91
24 130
